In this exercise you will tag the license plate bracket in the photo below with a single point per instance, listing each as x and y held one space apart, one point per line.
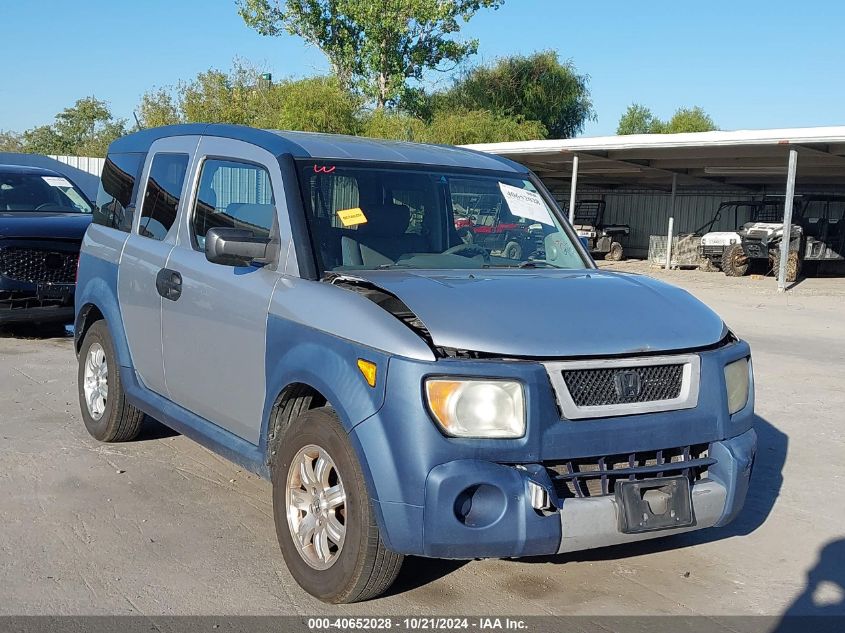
654 504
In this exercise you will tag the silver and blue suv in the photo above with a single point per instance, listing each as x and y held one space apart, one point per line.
304 305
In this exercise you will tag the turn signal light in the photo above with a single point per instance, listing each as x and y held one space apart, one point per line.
368 370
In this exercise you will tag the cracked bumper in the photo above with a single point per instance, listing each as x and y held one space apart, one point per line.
478 509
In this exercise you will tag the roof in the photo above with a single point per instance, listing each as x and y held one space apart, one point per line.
739 159
28 169
325 146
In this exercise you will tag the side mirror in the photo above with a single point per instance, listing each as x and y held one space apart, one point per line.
235 247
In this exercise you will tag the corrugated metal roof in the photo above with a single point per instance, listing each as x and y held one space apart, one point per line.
784 136
742 159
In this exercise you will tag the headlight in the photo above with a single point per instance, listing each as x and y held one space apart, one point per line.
477 408
736 384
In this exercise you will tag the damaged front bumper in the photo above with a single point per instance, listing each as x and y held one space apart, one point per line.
478 509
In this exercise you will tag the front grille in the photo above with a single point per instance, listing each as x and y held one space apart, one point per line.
756 249
597 476
712 250
25 300
622 385
38 265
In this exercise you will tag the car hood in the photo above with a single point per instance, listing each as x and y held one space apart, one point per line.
552 313
38 224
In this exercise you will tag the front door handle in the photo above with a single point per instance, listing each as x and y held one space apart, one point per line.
169 284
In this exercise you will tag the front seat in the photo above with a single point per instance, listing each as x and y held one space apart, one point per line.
383 239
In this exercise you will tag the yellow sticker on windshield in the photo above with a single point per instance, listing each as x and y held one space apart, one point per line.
352 217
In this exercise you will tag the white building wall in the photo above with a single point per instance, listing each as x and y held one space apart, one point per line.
89 164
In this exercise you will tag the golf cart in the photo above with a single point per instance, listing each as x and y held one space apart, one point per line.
601 239
822 220
755 243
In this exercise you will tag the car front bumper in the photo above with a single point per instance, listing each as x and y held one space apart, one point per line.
495 519
29 302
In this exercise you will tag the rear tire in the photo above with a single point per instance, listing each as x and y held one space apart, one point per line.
615 253
360 567
793 264
734 261
106 413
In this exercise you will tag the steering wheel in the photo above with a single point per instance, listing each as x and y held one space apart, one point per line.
468 250
46 204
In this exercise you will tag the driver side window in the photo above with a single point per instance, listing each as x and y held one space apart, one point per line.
233 194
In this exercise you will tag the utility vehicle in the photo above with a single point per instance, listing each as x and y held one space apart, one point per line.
602 239
755 243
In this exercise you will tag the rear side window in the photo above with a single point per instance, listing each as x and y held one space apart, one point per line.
233 194
161 201
117 190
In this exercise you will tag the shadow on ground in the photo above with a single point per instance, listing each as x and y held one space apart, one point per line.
821 606
418 572
35 331
152 429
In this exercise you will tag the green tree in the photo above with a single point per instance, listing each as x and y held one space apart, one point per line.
241 96
217 97
84 129
10 141
44 139
693 119
158 107
377 47
480 126
535 87
394 125
638 119
314 104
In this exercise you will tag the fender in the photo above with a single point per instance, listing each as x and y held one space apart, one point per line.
97 287
326 363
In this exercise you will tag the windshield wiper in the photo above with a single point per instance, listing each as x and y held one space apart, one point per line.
537 263
386 266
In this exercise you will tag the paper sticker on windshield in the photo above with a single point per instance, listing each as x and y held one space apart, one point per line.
526 204
56 181
352 217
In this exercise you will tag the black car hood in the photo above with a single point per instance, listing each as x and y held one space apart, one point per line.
43 224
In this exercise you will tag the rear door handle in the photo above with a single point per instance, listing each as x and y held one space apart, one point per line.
169 284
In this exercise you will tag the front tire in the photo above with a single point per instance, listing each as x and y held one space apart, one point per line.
734 261
324 517
106 413
615 253
512 250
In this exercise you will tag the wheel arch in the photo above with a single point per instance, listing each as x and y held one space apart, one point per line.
92 311
85 318
295 399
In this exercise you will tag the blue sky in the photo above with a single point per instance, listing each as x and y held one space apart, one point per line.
749 63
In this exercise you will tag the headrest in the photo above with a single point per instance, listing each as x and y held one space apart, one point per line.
386 220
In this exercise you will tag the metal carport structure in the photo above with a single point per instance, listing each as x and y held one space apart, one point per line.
750 162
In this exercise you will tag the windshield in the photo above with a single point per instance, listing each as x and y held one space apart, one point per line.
365 218
35 192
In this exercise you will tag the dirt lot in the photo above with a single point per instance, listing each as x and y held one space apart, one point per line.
161 526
